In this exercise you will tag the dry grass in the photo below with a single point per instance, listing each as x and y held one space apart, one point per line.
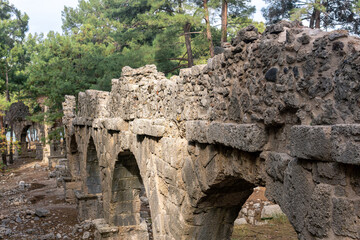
277 228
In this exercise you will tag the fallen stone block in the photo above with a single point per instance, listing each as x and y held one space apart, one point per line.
240 221
40 212
271 211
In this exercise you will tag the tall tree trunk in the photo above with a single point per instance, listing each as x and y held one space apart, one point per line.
8 100
224 12
3 144
208 29
11 156
317 18
312 20
7 85
187 35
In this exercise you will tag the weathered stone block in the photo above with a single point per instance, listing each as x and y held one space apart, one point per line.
319 217
197 69
190 180
116 124
297 192
309 142
69 188
81 121
97 123
146 70
122 195
345 141
340 143
245 137
330 173
104 231
271 211
89 206
276 164
345 221
196 131
124 207
155 128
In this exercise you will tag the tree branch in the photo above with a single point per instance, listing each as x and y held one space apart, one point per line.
177 67
189 33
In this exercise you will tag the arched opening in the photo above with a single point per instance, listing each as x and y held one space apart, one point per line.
226 178
263 217
24 141
73 157
128 196
57 143
32 134
28 139
12 147
220 207
93 180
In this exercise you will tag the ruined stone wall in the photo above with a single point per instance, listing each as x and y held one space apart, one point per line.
279 110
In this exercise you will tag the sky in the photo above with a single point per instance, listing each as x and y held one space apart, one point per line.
45 15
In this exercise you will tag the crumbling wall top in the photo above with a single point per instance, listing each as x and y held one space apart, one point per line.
289 75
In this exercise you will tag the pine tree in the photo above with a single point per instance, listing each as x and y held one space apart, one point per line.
327 14
13 26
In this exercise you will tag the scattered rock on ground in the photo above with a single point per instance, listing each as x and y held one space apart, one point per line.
40 212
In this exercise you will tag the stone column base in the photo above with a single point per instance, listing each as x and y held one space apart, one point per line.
90 206
104 231
70 186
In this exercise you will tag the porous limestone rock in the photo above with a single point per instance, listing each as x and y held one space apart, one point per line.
279 109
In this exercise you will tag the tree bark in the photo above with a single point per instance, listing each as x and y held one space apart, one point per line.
187 27
208 29
7 85
224 12
11 156
3 131
317 18
312 20
3 141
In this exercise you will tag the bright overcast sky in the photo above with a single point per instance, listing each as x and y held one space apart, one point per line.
45 15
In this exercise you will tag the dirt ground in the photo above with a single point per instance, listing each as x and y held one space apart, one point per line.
278 228
275 229
33 207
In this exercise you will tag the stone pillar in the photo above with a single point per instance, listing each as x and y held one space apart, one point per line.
39 151
317 184
90 206
16 154
46 146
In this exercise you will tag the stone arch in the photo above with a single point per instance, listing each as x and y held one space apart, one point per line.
23 133
129 205
74 157
226 178
23 143
93 180
33 133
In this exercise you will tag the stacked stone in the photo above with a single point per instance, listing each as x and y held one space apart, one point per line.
278 109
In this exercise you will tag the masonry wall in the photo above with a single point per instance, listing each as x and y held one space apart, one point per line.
279 110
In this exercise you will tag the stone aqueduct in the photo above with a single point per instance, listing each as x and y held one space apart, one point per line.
280 109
